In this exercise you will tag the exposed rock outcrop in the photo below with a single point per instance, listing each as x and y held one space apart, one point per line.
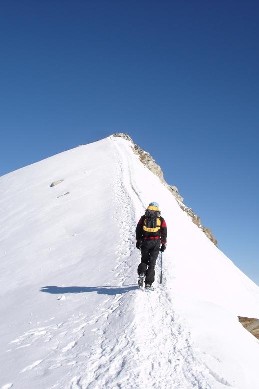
54 183
151 164
176 193
250 324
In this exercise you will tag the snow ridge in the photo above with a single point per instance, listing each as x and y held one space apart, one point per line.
74 316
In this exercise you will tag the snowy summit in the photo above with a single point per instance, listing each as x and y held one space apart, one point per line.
72 315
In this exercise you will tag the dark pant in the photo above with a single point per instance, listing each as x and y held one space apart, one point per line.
149 254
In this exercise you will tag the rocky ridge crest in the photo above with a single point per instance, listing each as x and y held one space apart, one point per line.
151 164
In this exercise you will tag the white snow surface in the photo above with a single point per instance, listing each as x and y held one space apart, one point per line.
71 313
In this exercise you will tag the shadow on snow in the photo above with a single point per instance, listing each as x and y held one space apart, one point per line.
110 290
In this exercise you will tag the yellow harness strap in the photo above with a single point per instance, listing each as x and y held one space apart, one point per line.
155 229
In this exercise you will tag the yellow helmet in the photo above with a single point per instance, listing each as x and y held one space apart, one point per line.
153 206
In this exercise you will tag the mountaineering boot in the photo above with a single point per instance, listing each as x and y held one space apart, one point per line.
141 280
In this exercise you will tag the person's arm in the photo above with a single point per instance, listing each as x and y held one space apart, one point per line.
163 231
139 229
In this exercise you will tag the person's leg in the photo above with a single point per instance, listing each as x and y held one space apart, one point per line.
142 267
154 251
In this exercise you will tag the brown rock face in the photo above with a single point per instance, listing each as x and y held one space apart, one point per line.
250 324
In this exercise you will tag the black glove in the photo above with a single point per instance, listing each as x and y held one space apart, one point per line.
138 244
162 248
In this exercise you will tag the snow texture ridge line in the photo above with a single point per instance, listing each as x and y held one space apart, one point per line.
153 306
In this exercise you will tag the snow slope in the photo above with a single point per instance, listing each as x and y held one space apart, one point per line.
72 316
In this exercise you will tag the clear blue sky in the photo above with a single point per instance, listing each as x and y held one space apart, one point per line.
180 77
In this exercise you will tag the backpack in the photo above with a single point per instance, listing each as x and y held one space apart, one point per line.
152 221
